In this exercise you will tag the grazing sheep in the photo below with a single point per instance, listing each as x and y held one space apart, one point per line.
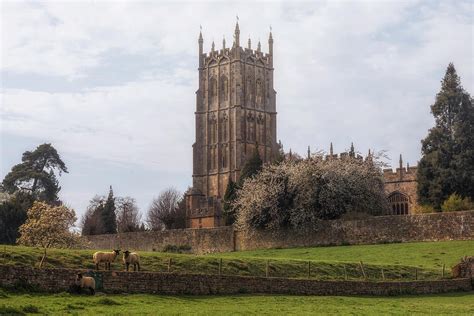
131 258
106 257
85 282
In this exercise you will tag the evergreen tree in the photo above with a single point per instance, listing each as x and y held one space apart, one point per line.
229 198
447 163
36 174
280 155
251 167
13 215
109 219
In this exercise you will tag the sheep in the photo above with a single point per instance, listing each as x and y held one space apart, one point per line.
85 282
106 257
131 258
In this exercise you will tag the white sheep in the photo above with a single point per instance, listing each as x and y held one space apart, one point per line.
106 257
85 282
131 258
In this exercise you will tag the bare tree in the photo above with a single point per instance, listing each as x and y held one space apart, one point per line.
91 222
128 215
167 211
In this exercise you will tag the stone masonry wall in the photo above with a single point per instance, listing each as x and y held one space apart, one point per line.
380 229
200 240
57 280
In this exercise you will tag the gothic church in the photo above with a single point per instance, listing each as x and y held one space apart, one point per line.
235 116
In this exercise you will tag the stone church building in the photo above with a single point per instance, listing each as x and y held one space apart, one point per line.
235 115
400 187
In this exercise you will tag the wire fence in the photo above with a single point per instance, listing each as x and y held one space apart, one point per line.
257 267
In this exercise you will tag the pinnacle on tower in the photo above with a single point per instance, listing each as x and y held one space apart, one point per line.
331 151
270 42
250 43
213 46
200 41
369 156
309 152
223 42
259 47
237 34
401 161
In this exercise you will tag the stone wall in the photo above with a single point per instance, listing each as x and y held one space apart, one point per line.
57 280
381 229
200 240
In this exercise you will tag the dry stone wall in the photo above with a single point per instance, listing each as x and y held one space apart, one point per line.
200 240
57 280
380 229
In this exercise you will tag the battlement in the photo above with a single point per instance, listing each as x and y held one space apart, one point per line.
351 154
235 53
400 174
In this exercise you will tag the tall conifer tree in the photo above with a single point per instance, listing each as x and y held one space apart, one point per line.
109 219
447 163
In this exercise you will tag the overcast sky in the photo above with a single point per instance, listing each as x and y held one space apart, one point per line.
111 84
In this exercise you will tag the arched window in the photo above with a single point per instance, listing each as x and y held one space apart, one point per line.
259 94
224 156
212 89
399 203
224 89
249 88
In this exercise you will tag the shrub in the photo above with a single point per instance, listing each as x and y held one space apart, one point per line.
456 203
294 194
177 249
424 208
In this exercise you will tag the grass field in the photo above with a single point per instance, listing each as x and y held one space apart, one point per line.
64 304
398 261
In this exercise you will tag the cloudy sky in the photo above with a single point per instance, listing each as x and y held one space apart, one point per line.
111 84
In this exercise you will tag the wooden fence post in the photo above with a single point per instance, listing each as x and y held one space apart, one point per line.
266 269
220 266
345 273
309 269
362 268
416 273
444 267
169 264
383 275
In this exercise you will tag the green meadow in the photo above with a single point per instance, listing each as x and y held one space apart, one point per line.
422 260
140 304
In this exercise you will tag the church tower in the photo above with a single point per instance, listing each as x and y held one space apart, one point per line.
235 116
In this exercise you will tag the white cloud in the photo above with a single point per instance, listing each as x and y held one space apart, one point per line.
362 71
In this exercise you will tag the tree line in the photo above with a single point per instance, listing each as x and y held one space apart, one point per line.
284 193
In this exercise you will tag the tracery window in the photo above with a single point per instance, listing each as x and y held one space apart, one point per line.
259 94
224 89
213 129
212 89
398 203
224 157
